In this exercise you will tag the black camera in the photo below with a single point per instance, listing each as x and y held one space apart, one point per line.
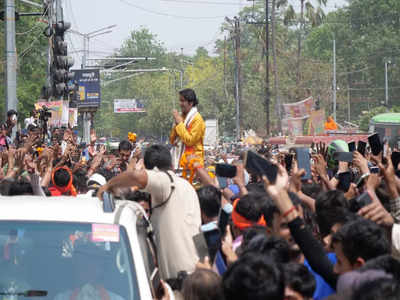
44 113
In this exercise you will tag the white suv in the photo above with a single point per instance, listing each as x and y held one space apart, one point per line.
66 248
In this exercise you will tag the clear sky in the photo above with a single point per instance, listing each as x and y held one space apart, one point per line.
186 24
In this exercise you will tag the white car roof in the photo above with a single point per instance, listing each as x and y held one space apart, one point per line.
61 209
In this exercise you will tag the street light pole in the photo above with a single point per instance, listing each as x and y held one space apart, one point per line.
386 84
334 79
11 57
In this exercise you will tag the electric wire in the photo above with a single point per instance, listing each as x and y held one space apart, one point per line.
170 15
35 26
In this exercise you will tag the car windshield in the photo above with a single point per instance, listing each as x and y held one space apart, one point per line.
67 260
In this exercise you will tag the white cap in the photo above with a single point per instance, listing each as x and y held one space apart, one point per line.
98 178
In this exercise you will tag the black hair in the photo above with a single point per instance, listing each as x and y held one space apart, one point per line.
210 200
202 284
12 112
299 279
311 189
257 187
138 196
329 206
269 210
61 177
250 207
387 263
362 238
20 188
379 289
189 95
107 174
157 156
250 233
125 146
80 181
255 277
327 218
274 247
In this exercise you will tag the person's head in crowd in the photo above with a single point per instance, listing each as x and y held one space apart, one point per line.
247 212
80 181
255 277
256 187
272 246
142 198
311 189
299 282
3 129
276 224
380 289
187 100
107 174
12 118
61 177
157 156
210 203
249 234
62 182
330 221
20 188
386 263
95 182
327 206
31 128
125 149
202 284
353 283
335 146
357 242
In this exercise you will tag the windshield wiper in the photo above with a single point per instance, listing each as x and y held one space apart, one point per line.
28 293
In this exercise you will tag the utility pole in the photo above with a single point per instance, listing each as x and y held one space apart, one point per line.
225 66
334 79
267 94
237 77
11 57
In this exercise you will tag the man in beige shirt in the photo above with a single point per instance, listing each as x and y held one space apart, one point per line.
175 210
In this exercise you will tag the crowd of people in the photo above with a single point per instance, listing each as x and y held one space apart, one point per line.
289 236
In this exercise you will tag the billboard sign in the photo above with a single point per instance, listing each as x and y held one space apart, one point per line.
88 82
128 106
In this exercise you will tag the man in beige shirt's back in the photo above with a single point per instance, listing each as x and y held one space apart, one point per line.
175 210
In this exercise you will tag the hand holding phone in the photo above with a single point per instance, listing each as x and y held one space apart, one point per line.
375 143
225 170
258 165
361 147
343 156
352 146
288 162
304 162
395 159
344 181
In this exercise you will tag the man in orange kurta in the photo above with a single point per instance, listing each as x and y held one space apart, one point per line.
330 124
187 135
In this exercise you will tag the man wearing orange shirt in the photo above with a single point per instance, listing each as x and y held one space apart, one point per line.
187 135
